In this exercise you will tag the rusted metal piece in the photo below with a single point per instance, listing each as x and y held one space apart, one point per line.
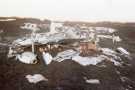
88 48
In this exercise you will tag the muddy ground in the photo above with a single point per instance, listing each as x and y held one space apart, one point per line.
69 75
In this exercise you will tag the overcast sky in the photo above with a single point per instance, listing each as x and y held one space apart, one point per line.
86 10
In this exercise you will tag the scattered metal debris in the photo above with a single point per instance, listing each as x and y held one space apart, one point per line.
88 44
123 51
27 57
93 81
68 54
47 57
35 78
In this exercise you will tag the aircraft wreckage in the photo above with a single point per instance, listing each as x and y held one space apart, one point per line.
77 41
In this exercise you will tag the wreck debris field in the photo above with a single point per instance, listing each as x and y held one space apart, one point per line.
81 56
